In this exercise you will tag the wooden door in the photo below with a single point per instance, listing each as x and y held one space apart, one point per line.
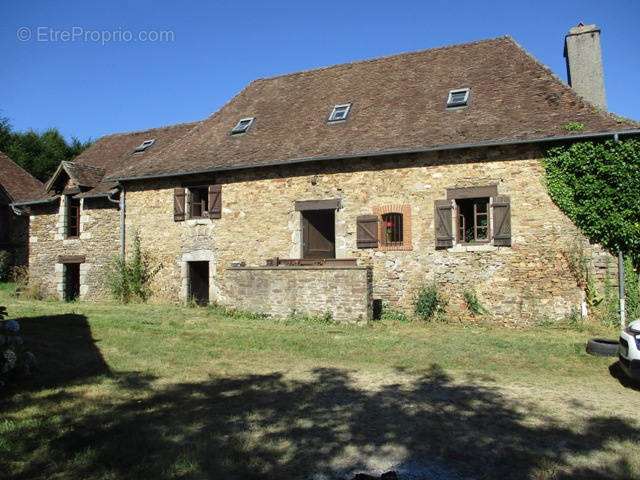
319 234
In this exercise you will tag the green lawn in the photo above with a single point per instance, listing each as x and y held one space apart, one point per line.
155 391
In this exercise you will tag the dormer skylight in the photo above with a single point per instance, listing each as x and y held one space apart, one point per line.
339 112
458 98
242 126
144 145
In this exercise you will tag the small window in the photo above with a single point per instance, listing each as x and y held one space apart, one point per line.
73 217
473 220
242 126
393 230
339 112
199 200
394 227
144 145
458 98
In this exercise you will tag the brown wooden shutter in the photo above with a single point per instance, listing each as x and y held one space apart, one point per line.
501 221
178 204
367 231
443 215
215 201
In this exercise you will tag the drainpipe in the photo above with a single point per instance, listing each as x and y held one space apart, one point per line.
121 204
17 211
621 294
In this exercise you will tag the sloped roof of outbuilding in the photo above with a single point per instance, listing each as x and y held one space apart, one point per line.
16 182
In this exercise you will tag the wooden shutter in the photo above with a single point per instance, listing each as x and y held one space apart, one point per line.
178 204
215 201
443 216
367 231
501 221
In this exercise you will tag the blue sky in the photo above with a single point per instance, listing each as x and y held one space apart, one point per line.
88 84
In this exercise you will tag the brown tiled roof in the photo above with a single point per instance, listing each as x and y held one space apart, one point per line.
16 182
111 153
398 104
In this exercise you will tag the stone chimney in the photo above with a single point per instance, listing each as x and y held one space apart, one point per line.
584 63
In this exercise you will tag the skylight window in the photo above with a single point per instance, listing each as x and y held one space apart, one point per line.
339 112
144 145
242 126
458 98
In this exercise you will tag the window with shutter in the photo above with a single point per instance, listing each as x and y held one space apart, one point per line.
179 195
367 231
481 216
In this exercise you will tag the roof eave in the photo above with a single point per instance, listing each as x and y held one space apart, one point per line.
559 138
36 202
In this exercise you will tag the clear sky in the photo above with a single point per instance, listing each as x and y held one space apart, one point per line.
94 67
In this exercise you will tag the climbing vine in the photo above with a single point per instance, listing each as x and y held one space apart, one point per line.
598 186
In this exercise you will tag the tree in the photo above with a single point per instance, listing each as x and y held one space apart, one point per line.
38 154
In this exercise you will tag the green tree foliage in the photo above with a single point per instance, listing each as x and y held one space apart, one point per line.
598 186
38 153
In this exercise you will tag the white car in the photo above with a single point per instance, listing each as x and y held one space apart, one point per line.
629 351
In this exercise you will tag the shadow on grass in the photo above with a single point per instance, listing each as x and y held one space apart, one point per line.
65 348
269 426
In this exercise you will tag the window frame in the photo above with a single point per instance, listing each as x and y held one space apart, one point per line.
144 146
240 128
346 107
400 209
487 213
463 103
390 230
203 193
70 207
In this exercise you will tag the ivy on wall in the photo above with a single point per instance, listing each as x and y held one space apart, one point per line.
597 185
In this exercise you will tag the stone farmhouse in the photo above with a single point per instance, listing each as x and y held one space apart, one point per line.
15 185
342 188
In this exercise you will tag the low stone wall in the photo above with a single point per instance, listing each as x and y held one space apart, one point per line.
344 292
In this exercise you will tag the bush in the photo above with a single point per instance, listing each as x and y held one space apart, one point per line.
14 359
26 287
473 303
6 260
429 303
389 314
129 280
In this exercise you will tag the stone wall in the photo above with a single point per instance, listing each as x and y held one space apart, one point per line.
99 242
527 282
343 292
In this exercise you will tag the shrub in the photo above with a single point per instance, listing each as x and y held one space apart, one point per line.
631 290
429 303
473 303
389 314
26 287
129 280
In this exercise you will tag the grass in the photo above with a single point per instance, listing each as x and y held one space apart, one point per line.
156 391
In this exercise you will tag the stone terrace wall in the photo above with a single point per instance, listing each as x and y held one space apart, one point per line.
527 282
99 242
344 292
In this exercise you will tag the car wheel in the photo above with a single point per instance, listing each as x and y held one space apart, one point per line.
602 347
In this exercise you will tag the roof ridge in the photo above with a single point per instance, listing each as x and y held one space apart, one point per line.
381 58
